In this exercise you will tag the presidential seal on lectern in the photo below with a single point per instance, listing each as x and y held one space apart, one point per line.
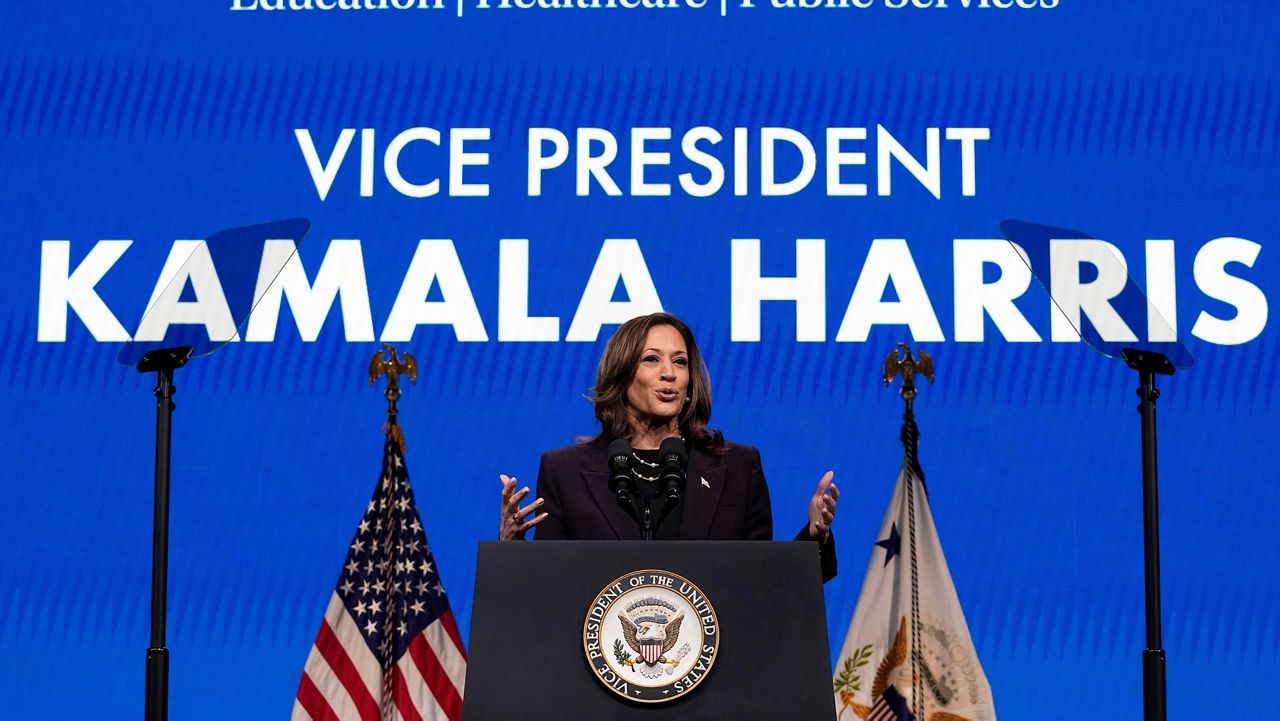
651 636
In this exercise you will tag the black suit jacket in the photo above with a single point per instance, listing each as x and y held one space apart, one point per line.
726 499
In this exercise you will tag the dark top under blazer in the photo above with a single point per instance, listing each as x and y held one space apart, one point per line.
726 499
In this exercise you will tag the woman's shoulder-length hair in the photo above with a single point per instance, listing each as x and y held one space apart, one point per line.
618 368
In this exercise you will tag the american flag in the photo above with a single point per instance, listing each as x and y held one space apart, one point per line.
388 648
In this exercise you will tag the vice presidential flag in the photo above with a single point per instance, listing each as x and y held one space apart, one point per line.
388 647
908 655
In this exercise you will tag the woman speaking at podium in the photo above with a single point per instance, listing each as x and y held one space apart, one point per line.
653 400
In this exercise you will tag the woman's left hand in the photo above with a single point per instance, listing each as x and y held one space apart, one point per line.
822 508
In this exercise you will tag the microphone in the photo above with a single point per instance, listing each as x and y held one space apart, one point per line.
620 481
674 457
620 471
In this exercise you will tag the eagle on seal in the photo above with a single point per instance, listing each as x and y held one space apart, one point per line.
649 628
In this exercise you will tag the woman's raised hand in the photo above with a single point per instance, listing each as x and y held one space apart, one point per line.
822 508
514 523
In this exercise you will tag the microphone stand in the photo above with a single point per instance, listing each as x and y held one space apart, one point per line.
627 501
647 526
671 498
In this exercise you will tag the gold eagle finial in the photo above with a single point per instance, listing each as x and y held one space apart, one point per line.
907 367
386 363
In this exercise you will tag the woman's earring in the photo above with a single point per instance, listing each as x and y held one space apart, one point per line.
686 399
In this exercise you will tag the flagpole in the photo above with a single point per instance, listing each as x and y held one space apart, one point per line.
908 367
386 363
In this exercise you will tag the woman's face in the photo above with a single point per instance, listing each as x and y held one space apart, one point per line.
661 381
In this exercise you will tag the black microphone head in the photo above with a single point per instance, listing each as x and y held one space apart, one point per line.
674 445
619 450
620 468
674 459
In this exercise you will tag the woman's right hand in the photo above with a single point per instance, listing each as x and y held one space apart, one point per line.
514 523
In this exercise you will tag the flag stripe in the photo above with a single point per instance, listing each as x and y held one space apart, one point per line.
452 628
347 629
329 686
419 694
404 704
336 656
450 654
424 657
312 702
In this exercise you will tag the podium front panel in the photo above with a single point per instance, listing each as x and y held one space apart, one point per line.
526 656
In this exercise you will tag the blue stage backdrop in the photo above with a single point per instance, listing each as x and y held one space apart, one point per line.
493 185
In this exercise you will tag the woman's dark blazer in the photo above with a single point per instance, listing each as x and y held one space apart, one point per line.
725 499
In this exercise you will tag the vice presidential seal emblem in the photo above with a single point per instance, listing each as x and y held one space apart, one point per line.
651 636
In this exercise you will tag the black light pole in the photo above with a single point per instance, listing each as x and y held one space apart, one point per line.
163 362
1148 364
